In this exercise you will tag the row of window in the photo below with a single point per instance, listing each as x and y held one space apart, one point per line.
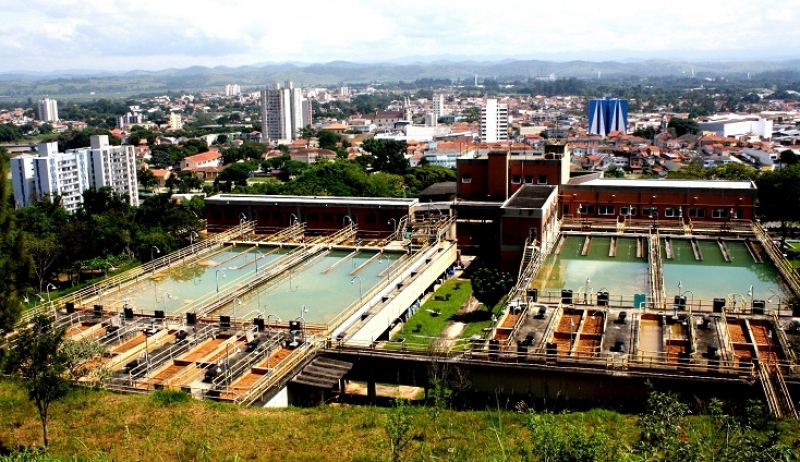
654 212
312 217
515 179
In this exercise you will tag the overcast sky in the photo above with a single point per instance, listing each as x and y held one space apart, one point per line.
47 35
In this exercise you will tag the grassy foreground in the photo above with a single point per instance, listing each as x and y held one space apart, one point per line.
92 425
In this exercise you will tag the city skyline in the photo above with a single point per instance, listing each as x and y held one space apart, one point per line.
118 36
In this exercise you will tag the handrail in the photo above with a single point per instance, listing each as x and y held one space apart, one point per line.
258 389
356 305
253 358
786 402
769 391
784 267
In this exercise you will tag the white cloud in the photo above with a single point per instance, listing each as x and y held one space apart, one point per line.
153 34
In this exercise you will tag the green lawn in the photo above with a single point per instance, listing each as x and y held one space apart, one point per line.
424 326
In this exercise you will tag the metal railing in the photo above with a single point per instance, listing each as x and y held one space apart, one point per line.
658 364
776 255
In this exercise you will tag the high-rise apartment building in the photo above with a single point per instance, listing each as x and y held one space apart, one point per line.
233 90
175 121
284 112
69 174
494 121
608 115
438 107
48 110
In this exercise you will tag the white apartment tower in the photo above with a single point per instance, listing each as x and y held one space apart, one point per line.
175 121
494 122
284 112
438 107
233 90
69 174
48 110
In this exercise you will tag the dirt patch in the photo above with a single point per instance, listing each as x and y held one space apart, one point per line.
386 391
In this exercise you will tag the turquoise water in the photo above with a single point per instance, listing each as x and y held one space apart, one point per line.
624 274
713 277
325 295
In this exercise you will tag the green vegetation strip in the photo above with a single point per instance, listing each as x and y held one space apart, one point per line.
91 425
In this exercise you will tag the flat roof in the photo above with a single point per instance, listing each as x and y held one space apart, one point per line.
693 184
314 200
530 197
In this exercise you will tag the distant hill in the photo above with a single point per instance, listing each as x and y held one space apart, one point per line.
18 84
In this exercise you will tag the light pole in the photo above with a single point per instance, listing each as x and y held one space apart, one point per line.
167 295
346 217
192 236
48 294
691 300
586 292
277 320
303 310
157 250
388 266
750 293
393 222
360 288
242 219
234 306
293 219
775 294
216 276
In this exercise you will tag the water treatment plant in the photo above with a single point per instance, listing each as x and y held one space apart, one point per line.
288 298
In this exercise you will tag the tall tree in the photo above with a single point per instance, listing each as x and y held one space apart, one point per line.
38 361
16 266
490 286
389 155
779 195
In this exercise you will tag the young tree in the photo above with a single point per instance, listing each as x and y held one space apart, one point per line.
38 361
490 285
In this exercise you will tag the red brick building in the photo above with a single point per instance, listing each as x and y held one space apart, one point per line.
679 200
321 214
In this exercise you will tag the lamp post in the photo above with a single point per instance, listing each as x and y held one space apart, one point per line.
691 300
216 276
277 320
750 293
234 306
48 294
388 266
292 219
586 292
303 311
360 288
346 218
157 250
167 295
392 222
775 294
192 236
242 219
